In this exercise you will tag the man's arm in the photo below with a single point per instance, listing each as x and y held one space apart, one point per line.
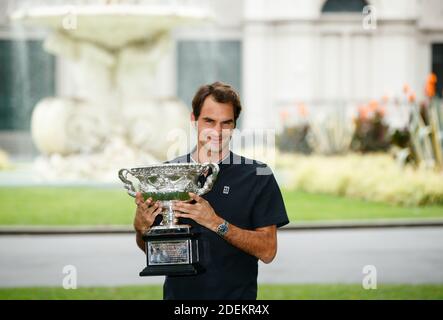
140 241
261 242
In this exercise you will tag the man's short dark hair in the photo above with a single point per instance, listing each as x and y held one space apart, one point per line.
220 92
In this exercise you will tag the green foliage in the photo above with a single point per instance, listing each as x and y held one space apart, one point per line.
426 131
330 131
371 177
293 139
401 138
371 133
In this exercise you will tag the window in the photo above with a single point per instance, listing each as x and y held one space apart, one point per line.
437 66
27 75
203 62
337 6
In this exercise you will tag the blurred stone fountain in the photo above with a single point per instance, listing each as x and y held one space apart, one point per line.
113 120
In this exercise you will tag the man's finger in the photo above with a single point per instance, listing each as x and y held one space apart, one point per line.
185 215
197 198
157 205
157 211
148 201
138 198
184 207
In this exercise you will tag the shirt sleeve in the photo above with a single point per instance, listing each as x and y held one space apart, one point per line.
269 208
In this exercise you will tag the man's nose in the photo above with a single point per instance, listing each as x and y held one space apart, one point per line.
218 129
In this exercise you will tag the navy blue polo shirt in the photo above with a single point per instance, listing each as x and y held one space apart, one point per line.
246 195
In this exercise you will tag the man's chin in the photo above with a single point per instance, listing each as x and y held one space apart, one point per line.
214 147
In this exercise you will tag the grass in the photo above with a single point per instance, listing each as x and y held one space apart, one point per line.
95 206
304 206
265 292
65 206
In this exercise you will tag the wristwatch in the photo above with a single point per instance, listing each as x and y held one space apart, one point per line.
223 228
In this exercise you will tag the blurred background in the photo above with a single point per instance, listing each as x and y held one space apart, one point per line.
350 91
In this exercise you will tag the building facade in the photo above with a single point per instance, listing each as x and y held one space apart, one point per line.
276 52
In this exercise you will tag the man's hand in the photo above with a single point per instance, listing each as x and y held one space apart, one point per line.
145 213
201 212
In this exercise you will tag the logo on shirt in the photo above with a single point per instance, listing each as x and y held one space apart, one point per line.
225 189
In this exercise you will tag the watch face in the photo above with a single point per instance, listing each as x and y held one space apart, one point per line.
222 229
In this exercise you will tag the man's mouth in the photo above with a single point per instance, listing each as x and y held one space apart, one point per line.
215 140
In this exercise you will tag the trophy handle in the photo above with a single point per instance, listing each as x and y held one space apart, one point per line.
122 174
210 179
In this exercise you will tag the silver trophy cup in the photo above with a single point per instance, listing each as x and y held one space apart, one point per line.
171 248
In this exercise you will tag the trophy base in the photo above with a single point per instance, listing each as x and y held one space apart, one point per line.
171 252
172 270
169 228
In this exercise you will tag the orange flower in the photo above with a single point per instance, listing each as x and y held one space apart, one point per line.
302 110
363 112
406 88
284 114
373 105
432 78
430 89
382 110
411 97
430 85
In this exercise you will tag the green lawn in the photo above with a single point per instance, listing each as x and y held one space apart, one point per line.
95 206
281 292
306 206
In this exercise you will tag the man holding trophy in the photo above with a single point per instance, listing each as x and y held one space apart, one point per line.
220 212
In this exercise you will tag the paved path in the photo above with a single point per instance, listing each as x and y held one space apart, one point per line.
401 255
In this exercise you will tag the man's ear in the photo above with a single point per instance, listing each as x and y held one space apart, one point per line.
192 117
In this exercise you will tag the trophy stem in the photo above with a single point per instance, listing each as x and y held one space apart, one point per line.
169 218
169 221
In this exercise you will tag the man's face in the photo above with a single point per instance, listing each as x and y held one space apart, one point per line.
215 125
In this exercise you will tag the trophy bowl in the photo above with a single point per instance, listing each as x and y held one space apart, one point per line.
171 249
169 182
